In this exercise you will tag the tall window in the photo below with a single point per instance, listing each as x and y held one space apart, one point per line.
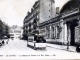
58 33
35 23
59 29
30 27
48 32
53 32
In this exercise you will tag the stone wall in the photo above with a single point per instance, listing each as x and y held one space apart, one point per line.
47 10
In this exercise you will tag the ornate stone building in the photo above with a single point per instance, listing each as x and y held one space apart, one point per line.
62 28
15 32
71 21
38 14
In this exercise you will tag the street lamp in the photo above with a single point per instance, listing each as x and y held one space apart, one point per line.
67 39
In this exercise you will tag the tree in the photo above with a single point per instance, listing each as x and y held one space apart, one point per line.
1 29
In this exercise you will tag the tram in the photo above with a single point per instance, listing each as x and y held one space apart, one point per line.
1 41
36 41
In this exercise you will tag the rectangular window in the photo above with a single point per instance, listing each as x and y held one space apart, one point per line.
58 32
53 33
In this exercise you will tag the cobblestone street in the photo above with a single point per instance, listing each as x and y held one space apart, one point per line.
19 47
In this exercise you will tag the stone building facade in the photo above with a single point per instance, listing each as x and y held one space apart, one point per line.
15 32
60 29
38 14
64 28
31 21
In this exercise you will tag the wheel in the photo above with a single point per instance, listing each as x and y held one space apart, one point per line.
27 44
35 48
6 42
77 49
2 42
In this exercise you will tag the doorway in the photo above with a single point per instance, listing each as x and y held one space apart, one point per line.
72 25
72 28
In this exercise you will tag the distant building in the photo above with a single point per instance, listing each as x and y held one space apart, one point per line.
16 32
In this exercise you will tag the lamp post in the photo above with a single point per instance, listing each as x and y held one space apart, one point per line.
68 37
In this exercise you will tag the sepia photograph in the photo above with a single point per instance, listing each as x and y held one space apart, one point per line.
39 29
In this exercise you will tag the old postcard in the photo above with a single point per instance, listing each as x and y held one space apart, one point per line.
39 29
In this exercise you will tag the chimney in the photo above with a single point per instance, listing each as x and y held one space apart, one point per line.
28 13
32 10
57 10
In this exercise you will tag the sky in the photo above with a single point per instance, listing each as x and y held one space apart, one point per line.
13 12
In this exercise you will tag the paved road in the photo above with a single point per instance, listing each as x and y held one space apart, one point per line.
19 48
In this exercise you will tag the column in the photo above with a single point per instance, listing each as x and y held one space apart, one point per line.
68 33
62 32
65 31
56 32
50 32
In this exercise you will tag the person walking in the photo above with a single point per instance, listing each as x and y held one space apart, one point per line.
7 41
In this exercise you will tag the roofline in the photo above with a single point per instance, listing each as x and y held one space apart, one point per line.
64 6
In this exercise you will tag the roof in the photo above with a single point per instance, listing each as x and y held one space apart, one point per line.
71 4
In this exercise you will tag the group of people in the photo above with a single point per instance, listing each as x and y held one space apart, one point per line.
38 38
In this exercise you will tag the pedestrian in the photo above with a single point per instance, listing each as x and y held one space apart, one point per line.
3 42
7 41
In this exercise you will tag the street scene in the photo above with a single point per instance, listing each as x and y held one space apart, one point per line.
16 48
40 29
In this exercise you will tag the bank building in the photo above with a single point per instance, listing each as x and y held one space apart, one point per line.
57 26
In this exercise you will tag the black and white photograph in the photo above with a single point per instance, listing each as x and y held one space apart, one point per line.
39 29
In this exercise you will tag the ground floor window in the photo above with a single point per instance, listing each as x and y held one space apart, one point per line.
53 32
58 31
48 32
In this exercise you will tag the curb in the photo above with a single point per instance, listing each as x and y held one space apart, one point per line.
61 49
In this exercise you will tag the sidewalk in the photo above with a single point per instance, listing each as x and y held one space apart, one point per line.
62 47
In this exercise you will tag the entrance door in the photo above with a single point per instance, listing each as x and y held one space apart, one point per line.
72 42
73 24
